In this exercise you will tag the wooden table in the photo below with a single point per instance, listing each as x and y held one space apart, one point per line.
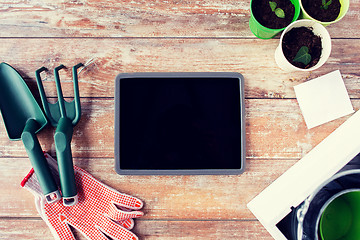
163 36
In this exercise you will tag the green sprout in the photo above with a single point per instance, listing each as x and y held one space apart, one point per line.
273 6
278 11
326 4
303 56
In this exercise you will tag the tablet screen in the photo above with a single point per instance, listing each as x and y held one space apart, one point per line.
179 123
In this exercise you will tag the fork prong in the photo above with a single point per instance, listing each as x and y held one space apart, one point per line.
59 91
76 94
43 97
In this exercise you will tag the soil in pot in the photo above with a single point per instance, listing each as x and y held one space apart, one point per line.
301 37
322 10
267 12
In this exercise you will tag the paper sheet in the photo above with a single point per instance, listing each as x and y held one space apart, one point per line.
323 99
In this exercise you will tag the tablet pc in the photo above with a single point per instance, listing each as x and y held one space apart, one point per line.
179 123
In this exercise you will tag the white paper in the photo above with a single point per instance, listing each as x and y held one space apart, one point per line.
305 176
323 99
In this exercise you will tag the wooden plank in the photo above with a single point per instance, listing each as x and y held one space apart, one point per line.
254 59
211 18
34 229
278 130
201 229
274 129
13 228
137 36
165 197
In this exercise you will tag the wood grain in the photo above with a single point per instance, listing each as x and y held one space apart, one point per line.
150 230
252 58
141 18
163 36
274 129
213 198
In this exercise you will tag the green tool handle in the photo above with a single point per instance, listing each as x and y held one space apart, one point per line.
38 161
62 137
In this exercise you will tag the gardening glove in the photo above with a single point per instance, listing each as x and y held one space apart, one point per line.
101 211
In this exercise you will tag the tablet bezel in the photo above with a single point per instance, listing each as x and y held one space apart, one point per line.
179 171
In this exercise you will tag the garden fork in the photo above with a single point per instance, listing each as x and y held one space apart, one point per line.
64 116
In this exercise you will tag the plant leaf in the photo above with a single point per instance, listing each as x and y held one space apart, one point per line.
280 13
326 4
303 55
272 6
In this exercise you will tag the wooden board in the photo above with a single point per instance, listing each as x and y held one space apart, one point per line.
111 18
274 129
150 230
165 197
251 57
163 36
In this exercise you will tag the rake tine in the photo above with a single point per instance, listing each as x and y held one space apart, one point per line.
44 101
59 91
76 94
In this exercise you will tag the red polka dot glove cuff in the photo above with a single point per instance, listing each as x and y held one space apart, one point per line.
101 211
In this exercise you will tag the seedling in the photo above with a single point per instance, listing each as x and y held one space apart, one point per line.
273 6
326 4
303 55
278 11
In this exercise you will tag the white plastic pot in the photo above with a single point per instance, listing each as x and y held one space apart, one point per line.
318 30
343 10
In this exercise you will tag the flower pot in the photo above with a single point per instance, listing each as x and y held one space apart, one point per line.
343 10
341 217
309 217
263 32
318 30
